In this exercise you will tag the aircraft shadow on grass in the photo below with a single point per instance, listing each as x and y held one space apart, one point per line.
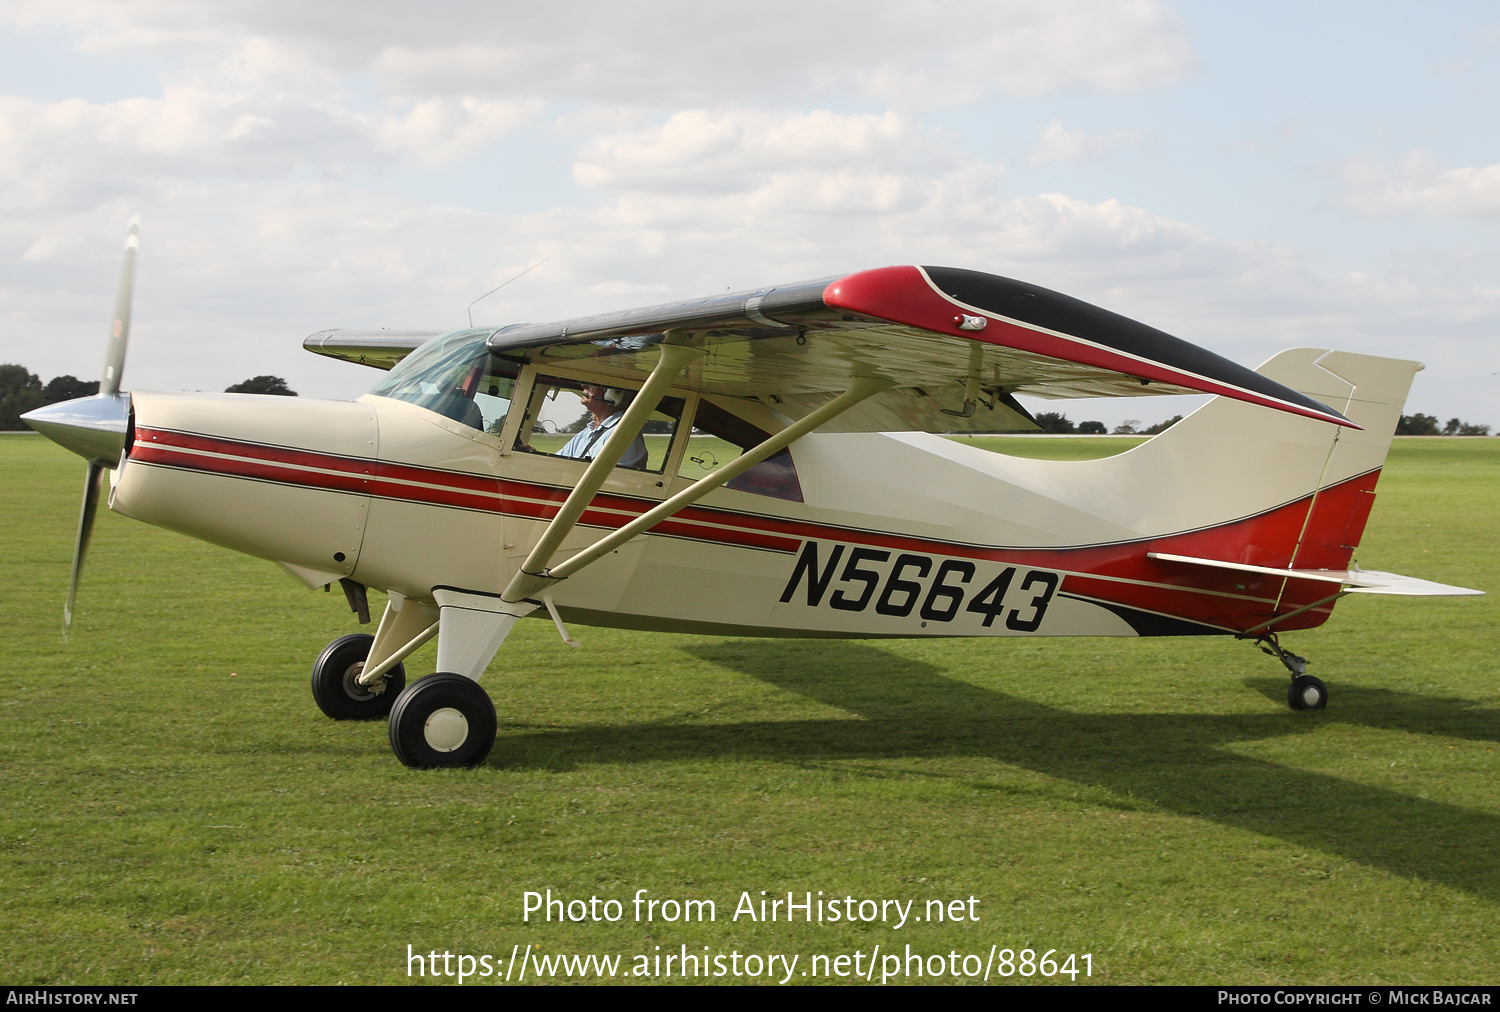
1175 762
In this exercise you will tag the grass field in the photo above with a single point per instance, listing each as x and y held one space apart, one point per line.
176 809
1053 447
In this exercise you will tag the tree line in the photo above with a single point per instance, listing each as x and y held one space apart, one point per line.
1058 423
1409 425
22 390
1427 425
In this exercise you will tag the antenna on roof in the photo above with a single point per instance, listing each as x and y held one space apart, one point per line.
492 291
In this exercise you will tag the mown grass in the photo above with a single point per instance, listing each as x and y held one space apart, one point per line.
1054 447
176 809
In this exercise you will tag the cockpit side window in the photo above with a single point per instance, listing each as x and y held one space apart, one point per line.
457 377
559 422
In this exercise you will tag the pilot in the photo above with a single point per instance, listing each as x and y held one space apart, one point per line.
607 406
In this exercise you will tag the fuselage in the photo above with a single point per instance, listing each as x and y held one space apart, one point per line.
877 534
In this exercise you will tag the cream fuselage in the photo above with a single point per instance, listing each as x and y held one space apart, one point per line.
896 534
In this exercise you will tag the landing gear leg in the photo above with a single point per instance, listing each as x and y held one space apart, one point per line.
1305 692
446 719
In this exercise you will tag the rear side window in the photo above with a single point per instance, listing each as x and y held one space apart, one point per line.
719 436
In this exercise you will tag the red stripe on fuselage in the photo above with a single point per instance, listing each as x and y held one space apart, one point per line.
430 486
1119 572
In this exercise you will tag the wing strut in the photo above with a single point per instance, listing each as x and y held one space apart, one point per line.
531 579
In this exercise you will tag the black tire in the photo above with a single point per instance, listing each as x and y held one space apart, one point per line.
1307 693
334 687
442 720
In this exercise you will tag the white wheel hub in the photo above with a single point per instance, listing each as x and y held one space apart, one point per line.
1310 696
446 729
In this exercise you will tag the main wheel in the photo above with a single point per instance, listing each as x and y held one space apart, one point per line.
1307 693
442 720
335 681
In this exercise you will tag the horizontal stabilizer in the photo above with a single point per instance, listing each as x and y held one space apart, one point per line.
1354 581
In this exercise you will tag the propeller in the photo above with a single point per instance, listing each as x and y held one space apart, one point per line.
109 389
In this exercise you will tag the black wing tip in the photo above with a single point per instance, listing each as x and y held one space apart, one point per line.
1052 310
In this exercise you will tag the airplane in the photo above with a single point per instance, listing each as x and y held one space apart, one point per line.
794 482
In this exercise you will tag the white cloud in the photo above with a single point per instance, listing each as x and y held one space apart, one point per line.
670 52
70 154
701 151
233 275
1056 143
439 130
741 174
1418 183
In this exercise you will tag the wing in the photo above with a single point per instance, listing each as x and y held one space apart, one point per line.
381 349
957 344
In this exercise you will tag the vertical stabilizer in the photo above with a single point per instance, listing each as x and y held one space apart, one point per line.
1336 519
1325 474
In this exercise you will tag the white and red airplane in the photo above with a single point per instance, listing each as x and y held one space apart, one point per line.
793 483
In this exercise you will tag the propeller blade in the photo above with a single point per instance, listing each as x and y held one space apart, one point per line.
109 389
92 484
119 328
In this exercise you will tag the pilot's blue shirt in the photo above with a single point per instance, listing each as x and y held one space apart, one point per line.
586 445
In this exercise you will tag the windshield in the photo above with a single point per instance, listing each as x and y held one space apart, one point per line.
456 376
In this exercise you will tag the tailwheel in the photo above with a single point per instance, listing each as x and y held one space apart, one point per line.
442 720
1307 693
335 681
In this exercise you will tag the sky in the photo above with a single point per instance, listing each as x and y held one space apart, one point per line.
1247 177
